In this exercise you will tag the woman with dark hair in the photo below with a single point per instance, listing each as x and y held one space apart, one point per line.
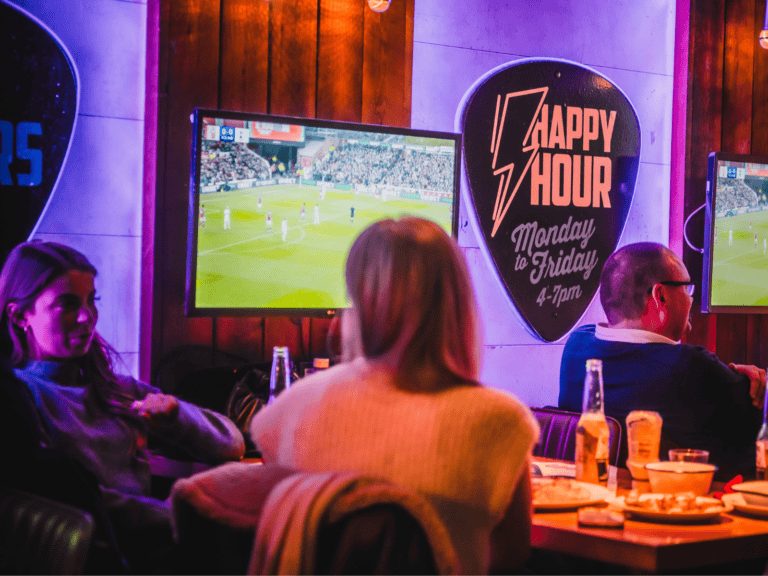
406 404
98 418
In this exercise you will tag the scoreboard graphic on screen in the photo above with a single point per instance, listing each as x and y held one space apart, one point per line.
226 134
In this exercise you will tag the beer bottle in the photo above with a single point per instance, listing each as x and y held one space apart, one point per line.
280 375
592 429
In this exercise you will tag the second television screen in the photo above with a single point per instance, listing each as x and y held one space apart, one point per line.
739 248
279 201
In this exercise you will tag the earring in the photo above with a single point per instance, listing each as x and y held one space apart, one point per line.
662 316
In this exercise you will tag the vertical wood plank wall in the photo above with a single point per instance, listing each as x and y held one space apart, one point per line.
727 111
330 59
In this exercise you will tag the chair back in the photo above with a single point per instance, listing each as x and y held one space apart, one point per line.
40 536
558 435
328 523
199 374
377 539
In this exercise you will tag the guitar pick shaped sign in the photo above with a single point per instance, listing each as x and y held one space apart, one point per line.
551 152
38 110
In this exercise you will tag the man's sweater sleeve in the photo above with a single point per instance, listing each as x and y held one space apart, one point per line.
726 392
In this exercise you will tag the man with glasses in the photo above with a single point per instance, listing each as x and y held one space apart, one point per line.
647 293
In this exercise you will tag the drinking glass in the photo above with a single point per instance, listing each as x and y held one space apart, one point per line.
688 455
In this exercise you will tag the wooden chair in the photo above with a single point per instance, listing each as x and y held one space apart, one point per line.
41 536
558 435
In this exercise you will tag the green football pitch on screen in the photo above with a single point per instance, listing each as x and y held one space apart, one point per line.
739 264
250 266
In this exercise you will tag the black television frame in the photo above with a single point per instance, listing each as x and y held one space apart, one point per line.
709 239
196 118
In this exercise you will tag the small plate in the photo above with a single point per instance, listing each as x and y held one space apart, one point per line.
594 495
753 486
674 517
737 501
755 492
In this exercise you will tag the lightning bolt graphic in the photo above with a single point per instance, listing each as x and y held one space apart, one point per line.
502 202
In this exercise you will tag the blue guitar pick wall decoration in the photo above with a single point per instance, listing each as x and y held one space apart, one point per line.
551 152
38 109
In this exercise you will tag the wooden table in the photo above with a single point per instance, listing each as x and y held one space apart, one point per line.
651 547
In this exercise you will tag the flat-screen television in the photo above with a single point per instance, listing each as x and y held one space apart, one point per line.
276 202
735 272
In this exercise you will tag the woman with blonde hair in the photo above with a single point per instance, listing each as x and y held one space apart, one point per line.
406 404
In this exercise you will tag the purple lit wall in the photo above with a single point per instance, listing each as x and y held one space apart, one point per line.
97 205
631 43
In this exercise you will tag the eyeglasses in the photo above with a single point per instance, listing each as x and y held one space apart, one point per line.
690 287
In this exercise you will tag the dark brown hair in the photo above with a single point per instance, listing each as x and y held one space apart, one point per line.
29 269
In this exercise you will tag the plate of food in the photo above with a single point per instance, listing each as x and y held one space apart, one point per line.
679 507
566 494
740 503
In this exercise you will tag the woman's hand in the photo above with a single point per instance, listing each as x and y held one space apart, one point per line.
155 409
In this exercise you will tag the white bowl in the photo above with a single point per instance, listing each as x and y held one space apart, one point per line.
673 477
755 493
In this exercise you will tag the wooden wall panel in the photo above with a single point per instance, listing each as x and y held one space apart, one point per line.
244 56
704 135
293 58
317 337
738 61
760 87
387 65
340 61
191 80
243 337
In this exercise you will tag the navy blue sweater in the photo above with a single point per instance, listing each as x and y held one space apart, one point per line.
703 402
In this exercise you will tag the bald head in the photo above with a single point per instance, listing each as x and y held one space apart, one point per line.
628 275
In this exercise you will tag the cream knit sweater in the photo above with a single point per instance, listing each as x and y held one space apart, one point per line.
463 448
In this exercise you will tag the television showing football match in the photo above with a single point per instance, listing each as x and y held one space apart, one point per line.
276 202
735 273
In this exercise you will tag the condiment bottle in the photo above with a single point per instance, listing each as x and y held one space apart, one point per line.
643 440
592 430
762 444
280 375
